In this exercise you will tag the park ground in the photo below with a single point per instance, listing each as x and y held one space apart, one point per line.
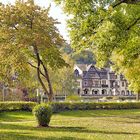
73 125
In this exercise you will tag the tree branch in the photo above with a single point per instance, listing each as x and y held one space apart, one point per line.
36 68
41 82
126 1
40 62
135 22
48 80
117 4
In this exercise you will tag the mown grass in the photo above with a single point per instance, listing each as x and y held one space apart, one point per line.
73 125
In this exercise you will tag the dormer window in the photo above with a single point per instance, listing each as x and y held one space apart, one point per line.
76 73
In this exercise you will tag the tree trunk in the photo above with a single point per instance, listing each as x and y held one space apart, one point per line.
49 83
46 75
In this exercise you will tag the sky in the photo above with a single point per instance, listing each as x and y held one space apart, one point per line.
55 12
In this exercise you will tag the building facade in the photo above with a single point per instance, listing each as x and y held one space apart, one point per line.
94 81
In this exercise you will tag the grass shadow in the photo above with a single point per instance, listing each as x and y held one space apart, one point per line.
16 115
100 113
27 136
61 129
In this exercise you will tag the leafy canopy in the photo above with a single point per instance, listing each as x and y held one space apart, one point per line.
23 26
111 28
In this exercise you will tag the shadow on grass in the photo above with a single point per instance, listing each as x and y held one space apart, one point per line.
27 136
16 115
22 115
128 120
136 117
60 129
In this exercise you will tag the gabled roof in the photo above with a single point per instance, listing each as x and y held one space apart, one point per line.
92 72
83 67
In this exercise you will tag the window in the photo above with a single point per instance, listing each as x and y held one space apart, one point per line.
122 84
97 83
76 72
95 92
113 76
127 92
86 91
85 83
104 91
111 92
78 91
104 82
103 75
123 92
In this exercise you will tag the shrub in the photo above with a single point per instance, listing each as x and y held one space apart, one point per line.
43 113
73 98
108 98
115 98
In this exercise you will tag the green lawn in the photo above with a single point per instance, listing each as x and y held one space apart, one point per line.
73 125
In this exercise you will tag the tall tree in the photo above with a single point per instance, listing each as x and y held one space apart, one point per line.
29 40
111 28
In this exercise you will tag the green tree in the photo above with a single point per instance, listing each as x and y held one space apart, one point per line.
29 40
111 28
63 80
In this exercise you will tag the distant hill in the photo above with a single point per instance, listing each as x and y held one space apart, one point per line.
84 57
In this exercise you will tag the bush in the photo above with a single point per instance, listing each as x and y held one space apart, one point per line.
107 98
73 98
115 98
43 113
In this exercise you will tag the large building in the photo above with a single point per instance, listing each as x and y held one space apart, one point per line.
94 81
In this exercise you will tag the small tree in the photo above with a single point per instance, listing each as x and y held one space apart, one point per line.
29 40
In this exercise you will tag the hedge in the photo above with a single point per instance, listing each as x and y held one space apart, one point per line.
14 106
64 106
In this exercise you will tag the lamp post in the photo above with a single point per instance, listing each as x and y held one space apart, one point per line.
3 91
37 94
